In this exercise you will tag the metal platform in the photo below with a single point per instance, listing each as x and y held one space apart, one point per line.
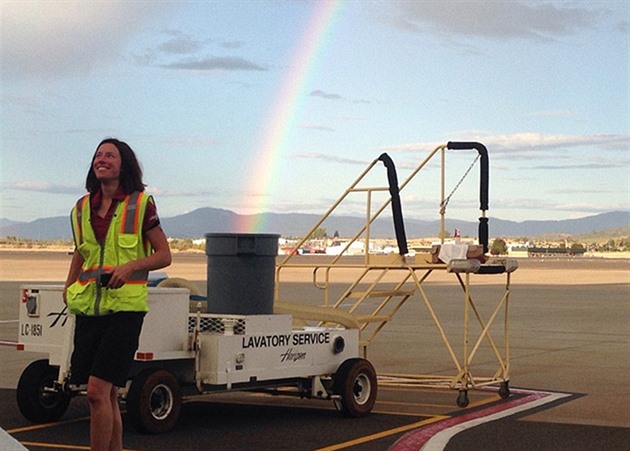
381 284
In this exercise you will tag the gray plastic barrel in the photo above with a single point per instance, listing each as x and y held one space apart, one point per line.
241 272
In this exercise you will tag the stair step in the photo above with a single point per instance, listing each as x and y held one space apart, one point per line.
380 293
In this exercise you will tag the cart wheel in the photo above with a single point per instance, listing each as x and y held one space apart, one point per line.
504 390
462 398
35 397
154 401
355 382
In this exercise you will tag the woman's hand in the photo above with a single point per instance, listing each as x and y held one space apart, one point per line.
120 275
160 258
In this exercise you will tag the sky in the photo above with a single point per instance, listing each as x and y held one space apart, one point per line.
278 106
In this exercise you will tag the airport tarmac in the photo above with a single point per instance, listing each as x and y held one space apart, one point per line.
570 356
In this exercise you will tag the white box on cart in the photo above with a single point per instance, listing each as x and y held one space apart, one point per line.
44 322
165 328
46 326
266 347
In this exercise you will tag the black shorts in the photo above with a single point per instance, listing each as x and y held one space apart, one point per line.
105 346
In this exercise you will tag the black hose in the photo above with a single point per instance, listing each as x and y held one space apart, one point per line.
483 233
399 226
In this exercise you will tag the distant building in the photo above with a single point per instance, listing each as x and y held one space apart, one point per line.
555 252
518 250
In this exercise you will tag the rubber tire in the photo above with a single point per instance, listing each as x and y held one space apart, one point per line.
355 382
462 399
34 403
154 401
504 390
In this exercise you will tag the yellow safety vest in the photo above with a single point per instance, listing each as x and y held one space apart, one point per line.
123 243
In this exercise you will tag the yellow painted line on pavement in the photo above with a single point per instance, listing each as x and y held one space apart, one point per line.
54 445
62 446
402 414
35 427
383 434
415 404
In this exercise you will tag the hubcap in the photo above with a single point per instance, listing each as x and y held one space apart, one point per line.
161 401
361 389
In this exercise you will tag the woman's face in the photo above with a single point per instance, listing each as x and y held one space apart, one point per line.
107 163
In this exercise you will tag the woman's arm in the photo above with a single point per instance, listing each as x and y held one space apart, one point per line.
73 272
161 256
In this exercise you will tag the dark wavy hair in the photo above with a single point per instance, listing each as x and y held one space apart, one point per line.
130 170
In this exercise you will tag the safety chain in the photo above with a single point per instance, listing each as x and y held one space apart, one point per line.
448 198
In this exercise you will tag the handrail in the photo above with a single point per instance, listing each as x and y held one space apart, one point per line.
484 178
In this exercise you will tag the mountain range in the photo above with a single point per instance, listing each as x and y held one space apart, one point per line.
213 220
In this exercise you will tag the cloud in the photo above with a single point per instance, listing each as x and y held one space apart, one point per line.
550 204
41 186
573 190
503 207
45 187
317 127
495 19
588 166
623 26
550 113
180 44
160 192
232 44
331 96
330 158
189 142
52 38
324 95
191 55
540 141
528 144
215 63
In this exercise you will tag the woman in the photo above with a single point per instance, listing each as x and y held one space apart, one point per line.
118 240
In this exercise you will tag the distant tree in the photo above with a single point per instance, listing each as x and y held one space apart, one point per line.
499 247
320 233
577 246
184 244
336 235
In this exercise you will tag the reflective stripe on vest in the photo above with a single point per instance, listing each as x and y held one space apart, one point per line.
130 213
78 233
92 274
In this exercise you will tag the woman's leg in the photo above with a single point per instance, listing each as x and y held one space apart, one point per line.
117 430
105 421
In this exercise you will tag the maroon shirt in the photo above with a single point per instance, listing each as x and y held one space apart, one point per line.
101 225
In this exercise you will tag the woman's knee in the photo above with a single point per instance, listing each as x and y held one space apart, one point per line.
99 391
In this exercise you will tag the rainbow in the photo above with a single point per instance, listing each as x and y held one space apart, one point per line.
283 113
